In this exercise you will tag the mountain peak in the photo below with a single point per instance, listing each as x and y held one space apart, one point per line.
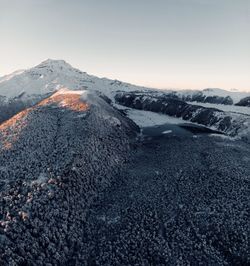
54 63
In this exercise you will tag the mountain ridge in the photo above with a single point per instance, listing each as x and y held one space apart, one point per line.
27 88
51 75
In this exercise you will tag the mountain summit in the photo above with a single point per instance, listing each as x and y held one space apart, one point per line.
51 75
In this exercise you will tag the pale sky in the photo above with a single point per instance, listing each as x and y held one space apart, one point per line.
158 43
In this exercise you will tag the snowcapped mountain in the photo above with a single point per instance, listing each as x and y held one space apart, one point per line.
24 88
52 75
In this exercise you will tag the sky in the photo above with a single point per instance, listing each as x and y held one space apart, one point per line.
186 44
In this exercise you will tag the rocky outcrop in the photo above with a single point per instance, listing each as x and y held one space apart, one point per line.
55 159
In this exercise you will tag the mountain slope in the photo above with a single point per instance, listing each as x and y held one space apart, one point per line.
52 168
52 75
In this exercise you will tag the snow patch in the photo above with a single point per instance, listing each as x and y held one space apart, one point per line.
150 119
167 132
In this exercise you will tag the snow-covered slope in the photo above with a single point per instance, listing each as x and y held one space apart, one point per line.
52 75
10 76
